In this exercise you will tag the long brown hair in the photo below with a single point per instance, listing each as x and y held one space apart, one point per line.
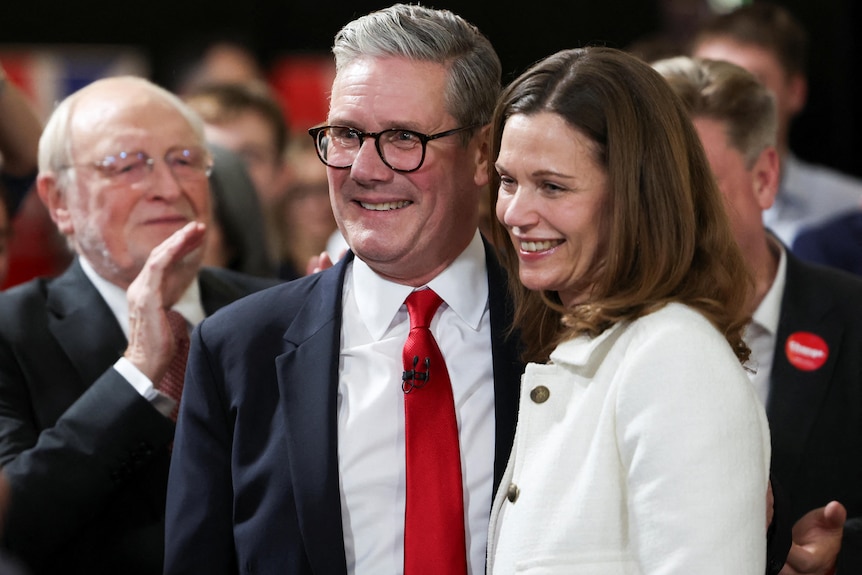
668 236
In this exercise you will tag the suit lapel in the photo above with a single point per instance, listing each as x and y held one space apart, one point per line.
86 329
308 387
83 324
795 395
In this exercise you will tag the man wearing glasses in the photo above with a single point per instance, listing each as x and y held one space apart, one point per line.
91 363
292 451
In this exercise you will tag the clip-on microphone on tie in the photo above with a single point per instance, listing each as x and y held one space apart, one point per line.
414 378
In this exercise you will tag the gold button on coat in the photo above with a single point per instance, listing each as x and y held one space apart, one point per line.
540 394
513 493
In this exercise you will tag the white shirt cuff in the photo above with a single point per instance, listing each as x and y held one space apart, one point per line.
142 384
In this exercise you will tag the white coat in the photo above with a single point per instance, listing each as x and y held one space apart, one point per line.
641 451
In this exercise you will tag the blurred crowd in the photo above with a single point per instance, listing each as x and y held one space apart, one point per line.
271 206
277 230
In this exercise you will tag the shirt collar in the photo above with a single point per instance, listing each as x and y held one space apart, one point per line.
463 286
189 304
768 312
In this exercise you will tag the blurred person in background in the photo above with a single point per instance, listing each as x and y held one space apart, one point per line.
769 42
20 129
306 212
806 327
236 239
35 248
837 242
222 58
246 119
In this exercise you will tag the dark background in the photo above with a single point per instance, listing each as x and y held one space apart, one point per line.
829 131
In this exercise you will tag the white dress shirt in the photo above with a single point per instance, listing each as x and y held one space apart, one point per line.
371 407
762 330
189 306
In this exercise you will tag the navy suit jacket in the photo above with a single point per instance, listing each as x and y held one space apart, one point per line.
816 416
254 484
836 242
86 456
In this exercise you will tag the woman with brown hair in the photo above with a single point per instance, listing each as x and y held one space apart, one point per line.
641 447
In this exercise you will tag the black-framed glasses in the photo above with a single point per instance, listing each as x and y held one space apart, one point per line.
401 150
130 168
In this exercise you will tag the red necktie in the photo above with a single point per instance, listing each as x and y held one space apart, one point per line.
434 540
172 382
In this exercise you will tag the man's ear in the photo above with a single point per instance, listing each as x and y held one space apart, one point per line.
482 151
766 173
797 93
55 200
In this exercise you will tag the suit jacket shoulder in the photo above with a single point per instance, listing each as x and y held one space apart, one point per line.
221 287
836 242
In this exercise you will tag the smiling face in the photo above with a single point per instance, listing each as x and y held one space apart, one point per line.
113 224
551 200
408 227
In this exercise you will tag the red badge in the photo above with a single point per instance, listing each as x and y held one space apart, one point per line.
806 351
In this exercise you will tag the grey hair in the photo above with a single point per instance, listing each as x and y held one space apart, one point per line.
729 94
55 143
430 35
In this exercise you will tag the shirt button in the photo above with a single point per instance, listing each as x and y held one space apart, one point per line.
540 394
513 493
